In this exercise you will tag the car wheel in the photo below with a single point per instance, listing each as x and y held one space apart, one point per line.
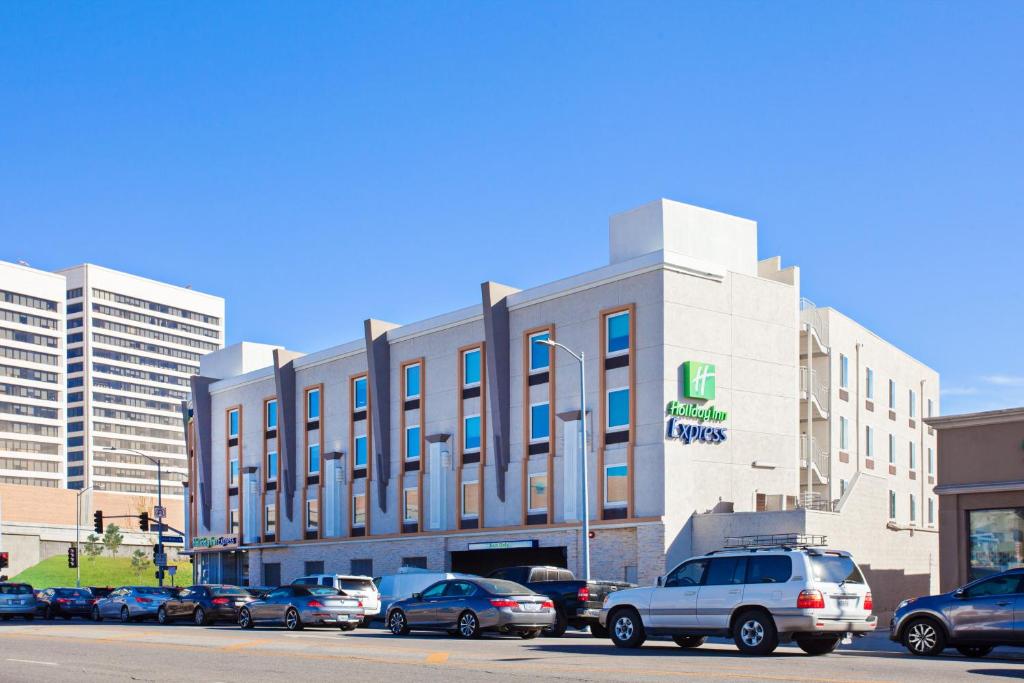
817 646
49 613
245 619
557 629
598 631
161 616
754 633
199 617
974 650
529 635
292 622
96 614
469 625
689 641
626 629
397 623
924 637
125 615
347 627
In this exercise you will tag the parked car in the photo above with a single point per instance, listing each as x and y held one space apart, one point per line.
100 591
64 602
299 606
468 607
409 580
973 618
259 592
17 600
577 603
361 587
205 604
759 596
131 603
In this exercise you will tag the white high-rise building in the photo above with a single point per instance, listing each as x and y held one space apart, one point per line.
32 373
132 345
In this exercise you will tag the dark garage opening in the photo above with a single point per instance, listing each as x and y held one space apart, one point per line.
483 562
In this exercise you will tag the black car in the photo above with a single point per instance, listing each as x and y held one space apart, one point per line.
205 604
100 591
64 602
260 592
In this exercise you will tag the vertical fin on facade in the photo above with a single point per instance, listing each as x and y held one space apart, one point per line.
201 403
378 363
284 385
496 334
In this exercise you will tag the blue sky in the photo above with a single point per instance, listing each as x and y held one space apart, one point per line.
320 163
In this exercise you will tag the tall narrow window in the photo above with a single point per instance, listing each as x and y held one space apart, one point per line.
471 433
913 508
361 458
411 505
869 384
540 354
616 478
233 470
313 405
359 393
470 499
271 415
312 515
869 441
913 455
233 521
314 458
931 461
359 510
412 381
892 505
233 424
540 415
618 409
270 526
272 466
912 400
617 328
931 511
843 433
844 371
892 449
892 395
538 494
930 406
471 368
412 443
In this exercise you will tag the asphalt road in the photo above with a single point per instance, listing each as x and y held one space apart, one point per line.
82 651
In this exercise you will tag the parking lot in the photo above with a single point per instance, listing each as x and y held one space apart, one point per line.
52 651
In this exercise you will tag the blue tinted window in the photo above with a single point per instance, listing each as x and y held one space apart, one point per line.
233 423
471 367
74 337
360 460
313 405
73 308
74 426
74 382
471 433
618 408
540 358
75 471
77 411
272 465
75 484
234 471
412 381
616 483
75 396
75 353
618 332
360 392
271 414
76 456
539 422
314 458
74 367
412 443
74 441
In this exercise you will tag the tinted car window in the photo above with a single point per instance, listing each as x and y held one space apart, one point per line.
436 590
835 569
322 590
229 590
688 574
16 589
726 571
460 589
770 569
304 581
499 587
153 590
997 585
356 584
280 593
73 593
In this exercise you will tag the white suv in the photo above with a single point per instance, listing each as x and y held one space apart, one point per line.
361 587
758 596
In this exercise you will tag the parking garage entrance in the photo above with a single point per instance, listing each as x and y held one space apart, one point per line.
484 558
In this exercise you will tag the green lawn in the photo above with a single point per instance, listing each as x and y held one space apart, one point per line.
99 571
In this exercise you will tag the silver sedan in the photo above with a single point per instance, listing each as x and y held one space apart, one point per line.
299 606
131 603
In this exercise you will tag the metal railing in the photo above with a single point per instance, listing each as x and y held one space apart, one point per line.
811 453
810 315
813 386
776 541
815 501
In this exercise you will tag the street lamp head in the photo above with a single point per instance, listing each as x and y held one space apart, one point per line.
546 342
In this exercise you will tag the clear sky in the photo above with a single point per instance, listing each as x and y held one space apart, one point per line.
320 163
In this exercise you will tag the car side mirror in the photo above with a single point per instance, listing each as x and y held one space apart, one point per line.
661 581
958 593
417 596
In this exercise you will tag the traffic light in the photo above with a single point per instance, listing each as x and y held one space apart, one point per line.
144 521
97 521
4 560
72 557
157 550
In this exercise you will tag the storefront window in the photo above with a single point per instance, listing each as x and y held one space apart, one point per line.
996 540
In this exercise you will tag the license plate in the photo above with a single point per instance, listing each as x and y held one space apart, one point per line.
846 601
531 607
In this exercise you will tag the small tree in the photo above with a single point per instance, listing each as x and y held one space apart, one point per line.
93 546
112 539
139 563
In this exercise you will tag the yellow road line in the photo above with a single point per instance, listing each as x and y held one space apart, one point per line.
437 658
244 644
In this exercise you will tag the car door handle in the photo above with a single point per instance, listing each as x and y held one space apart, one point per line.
1002 604
690 593
735 592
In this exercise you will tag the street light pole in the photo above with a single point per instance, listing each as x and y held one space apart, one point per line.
585 469
78 528
159 499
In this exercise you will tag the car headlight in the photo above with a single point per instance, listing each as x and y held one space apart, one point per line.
904 604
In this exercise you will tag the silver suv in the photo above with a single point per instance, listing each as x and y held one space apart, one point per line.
758 595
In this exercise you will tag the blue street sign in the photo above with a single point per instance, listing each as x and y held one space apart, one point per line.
173 539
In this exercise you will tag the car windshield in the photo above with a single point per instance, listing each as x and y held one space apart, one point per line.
500 587
835 569
321 590
356 584
229 590
16 589
74 593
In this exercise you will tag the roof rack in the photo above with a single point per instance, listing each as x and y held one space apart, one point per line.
766 541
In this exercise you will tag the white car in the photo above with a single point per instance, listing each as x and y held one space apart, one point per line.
361 587
758 595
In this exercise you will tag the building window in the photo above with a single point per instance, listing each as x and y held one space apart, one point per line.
270 526
538 494
892 449
310 567
843 485
844 371
272 466
361 454
412 443
412 381
540 354
233 468
359 510
233 522
617 328
913 508
76 471
314 458
540 425
994 541
359 392
929 407
931 461
931 511
470 499
411 505
271 573
843 436
271 415
312 405
616 478
312 514
418 562
74 382
912 400
233 424
892 505
618 409
892 395
913 455
869 441
75 367
361 567
471 368
869 384
471 433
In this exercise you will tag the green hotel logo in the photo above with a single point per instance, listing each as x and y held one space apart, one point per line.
698 380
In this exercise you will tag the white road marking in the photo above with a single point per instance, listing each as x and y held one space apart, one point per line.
32 661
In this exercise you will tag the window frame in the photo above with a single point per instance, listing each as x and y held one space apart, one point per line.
913 509
529 492
405 504
309 458
531 345
234 521
234 472
844 436
267 412
609 503
892 394
462 502
267 528
465 433
319 403
913 455
869 381
479 367
310 504
912 403
869 442
419 437
608 337
234 422
546 422
844 371
355 498
355 451
356 382
892 450
608 427
418 366
931 461
892 504
277 463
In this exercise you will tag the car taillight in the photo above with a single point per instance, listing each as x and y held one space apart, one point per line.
869 604
360 603
144 601
547 604
94 601
63 601
810 600
314 603
504 603
220 601
583 594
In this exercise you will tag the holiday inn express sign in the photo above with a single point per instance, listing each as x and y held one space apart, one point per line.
698 383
